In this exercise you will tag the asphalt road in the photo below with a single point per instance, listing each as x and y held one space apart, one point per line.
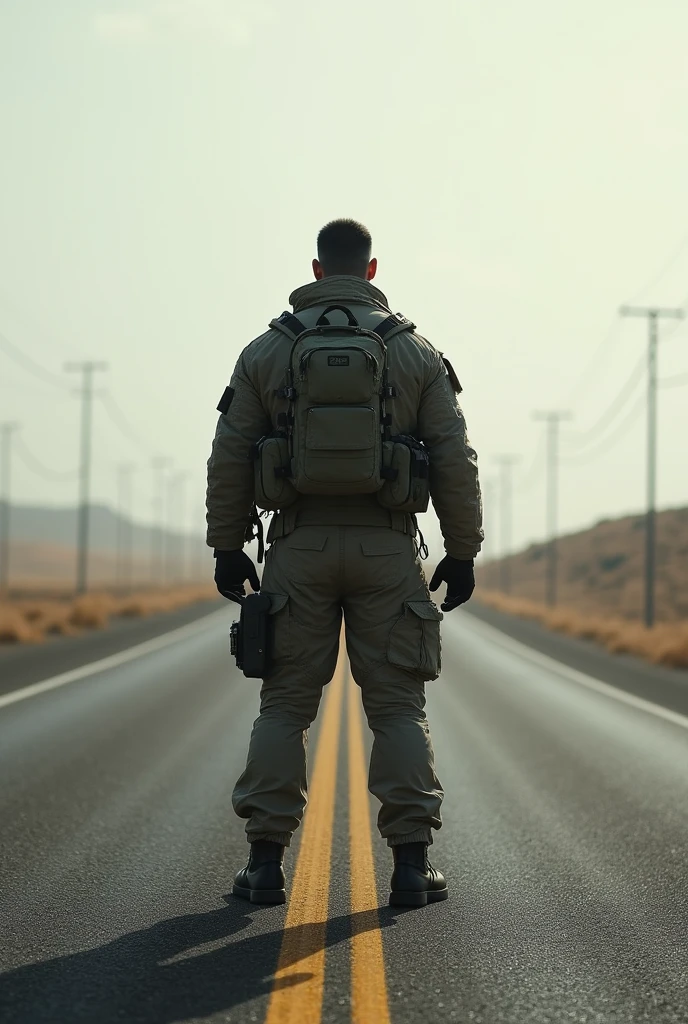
565 846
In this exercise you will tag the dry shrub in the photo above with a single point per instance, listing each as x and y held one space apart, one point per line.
92 611
135 607
48 616
665 644
153 602
14 628
26 621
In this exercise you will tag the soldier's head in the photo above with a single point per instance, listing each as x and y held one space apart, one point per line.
344 247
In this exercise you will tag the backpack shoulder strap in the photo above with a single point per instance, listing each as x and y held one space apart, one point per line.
288 324
394 324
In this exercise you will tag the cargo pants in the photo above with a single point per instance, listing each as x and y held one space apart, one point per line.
392 628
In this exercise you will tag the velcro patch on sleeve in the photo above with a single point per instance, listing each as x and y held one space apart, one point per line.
226 400
453 379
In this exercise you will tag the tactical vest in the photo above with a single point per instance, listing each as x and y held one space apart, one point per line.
334 436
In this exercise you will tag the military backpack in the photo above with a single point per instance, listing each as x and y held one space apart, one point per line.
334 435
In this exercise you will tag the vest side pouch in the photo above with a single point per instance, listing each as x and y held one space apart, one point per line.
273 488
406 486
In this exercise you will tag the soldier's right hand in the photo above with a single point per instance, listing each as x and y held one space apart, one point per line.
232 568
459 576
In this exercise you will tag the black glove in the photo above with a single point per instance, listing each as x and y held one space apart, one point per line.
231 569
460 579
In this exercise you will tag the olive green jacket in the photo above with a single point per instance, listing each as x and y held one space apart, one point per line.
426 407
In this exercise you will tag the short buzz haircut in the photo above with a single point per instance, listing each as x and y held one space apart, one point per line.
344 247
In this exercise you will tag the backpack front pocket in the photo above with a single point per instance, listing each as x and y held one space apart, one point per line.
340 448
348 375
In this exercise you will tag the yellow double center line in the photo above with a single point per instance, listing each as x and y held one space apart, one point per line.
297 994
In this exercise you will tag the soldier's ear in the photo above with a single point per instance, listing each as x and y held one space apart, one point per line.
318 272
372 270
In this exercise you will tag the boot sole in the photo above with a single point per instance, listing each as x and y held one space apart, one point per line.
264 896
417 899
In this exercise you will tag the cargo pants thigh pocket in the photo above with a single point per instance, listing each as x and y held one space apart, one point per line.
414 641
280 629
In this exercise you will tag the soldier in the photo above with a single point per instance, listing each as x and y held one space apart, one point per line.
339 444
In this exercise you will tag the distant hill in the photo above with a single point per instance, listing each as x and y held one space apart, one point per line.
43 547
601 569
34 524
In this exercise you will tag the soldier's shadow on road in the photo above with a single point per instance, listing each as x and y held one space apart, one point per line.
163 975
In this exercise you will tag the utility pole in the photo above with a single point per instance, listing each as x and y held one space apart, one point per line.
506 464
200 550
6 431
124 526
552 419
202 560
160 467
87 369
488 490
176 501
652 314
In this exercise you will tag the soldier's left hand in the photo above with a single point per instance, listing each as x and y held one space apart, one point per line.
459 576
232 568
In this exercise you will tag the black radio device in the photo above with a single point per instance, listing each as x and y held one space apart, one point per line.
249 638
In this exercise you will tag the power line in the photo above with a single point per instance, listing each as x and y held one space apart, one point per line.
592 366
29 364
609 441
615 406
111 406
534 472
665 268
119 419
39 468
678 381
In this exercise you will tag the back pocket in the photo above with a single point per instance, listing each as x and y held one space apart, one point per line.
414 641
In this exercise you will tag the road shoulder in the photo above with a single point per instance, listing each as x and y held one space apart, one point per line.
664 686
24 664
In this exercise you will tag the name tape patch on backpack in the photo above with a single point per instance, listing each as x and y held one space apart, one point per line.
337 360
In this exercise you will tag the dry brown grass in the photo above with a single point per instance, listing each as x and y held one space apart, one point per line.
665 644
30 620
601 569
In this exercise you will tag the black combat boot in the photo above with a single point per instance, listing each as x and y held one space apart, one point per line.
415 882
262 880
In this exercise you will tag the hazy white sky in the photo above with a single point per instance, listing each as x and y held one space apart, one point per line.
166 165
